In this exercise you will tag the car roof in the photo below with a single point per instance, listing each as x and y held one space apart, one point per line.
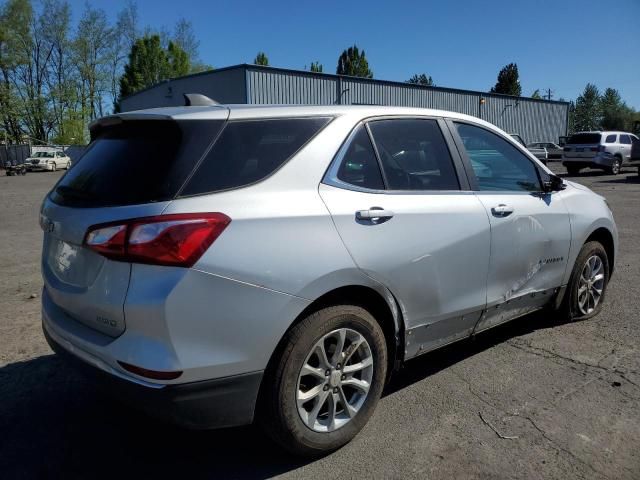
245 111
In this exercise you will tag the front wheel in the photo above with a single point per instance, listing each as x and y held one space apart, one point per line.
588 283
53 167
326 382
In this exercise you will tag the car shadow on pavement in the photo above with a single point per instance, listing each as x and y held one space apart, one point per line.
54 424
629 179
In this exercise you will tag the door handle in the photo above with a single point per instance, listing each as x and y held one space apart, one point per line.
502 210
374 214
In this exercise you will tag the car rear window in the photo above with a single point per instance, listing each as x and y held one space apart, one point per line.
135 162
249 151
581 138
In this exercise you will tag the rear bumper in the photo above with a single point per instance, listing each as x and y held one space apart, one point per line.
598 161
223 402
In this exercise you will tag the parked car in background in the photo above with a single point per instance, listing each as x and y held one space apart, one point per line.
539 153
607 151
277 263
553 151
50 160
634 161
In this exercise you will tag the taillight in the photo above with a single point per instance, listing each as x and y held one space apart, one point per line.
175 239
594 149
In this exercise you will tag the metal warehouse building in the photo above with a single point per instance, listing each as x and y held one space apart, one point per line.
534 120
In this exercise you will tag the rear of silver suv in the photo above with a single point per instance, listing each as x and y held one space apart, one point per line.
128 272
607 151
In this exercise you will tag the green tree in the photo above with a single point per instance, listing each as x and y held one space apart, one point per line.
422 79
536 94
316 67
508 81
261 59
588 111
150 64
615 113
179 64
353 62
15 16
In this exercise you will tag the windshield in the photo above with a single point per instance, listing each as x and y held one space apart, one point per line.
43 155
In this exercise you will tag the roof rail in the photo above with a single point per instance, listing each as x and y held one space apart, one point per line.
198 100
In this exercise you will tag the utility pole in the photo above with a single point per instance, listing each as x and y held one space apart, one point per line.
549 93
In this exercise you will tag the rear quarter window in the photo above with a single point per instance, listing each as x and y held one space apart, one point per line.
248 151
584 138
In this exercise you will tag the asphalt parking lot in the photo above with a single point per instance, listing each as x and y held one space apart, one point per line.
537 398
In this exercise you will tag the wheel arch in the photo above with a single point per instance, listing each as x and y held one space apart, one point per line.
382 305
603 236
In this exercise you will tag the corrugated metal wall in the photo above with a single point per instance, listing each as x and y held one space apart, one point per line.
534 120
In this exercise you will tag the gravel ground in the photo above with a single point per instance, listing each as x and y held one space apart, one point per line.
537 398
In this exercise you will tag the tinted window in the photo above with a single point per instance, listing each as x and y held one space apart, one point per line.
135 162
581 138
248 151
359 165
498 165
610 139
414 155
625 139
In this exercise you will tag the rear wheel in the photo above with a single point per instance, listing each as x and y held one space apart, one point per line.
573 171
614 169
588 283
326 382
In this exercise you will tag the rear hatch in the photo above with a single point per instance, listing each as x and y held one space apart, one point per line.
582 145
133 168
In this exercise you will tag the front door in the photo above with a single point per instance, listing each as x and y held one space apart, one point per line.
530 231
411 226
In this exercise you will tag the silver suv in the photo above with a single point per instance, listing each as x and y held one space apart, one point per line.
608 151
216 265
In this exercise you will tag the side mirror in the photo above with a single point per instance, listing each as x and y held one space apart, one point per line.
552 183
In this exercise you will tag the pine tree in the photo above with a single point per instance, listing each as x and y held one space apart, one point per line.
422 79
261 59
354 63
588 112
508 81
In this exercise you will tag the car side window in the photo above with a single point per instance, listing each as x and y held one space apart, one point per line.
610 139
414 155
359 165
625 140
498 165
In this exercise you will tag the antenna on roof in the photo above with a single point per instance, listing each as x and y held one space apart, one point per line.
198 100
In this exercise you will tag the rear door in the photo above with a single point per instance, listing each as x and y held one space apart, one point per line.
402 206
625 146
530 232
131 169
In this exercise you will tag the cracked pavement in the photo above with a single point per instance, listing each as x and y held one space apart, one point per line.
536 398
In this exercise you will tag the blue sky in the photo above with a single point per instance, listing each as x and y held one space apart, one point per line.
561 44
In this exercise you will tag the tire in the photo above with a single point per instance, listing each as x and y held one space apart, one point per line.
614 169
572 305
573 171
67 166
281 415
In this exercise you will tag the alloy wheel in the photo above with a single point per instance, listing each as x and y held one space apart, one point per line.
334 381
591 285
